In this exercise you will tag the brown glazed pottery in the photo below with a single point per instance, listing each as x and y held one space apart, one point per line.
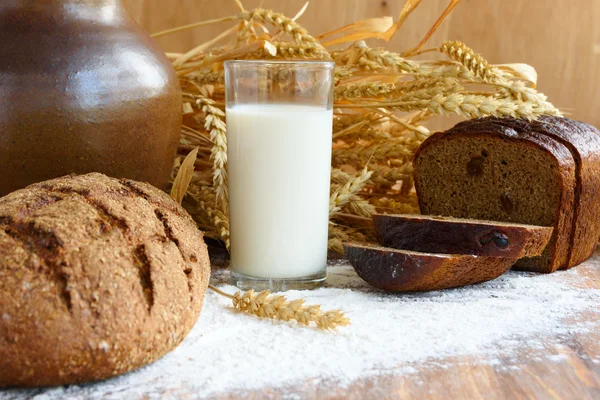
83 88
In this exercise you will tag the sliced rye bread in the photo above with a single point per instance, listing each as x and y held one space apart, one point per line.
432 234
409 271
488 169
583 141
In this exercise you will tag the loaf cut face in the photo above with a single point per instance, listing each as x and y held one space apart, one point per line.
98 277
488 169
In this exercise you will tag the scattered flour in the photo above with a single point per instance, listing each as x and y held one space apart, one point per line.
228 351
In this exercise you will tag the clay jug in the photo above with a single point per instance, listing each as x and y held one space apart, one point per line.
83 88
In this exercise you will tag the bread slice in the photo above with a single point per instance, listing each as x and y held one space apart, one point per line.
411 271
427 233
487 169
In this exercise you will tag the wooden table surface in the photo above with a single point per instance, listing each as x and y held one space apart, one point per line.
574 372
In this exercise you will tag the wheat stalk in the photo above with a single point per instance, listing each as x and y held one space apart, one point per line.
339 177
343 194
517 90
358 206
207 77
339 234
266 305
290 51
425 83
215 125
360 90
474 62
378 58
486 73
454 70
467 106
406 204
427 92
385 177
280 21
220 220
364 132
359 154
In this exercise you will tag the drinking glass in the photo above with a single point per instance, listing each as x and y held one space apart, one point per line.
279 134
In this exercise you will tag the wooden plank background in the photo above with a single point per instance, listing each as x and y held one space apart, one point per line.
560 38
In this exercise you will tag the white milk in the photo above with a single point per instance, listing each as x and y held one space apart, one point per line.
279 163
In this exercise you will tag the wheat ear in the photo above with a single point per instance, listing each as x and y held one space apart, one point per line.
467 105
386 177
474 62
403 204
359 154
293 51
361 90
218 217
518 90
204 77
360 207
387 59
339 234
344 193
213 123
265 305
282 22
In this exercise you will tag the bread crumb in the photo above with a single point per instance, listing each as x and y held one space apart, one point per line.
6 317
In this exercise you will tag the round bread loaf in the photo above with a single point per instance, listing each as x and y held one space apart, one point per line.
98 276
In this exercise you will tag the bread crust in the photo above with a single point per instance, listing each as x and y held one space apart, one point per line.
98 277
407 271
432 234
583 141
564 163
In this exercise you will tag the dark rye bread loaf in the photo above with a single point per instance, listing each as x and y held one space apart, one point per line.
410 271
433 234
486 169
98 277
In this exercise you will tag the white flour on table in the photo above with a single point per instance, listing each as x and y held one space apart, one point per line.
232 352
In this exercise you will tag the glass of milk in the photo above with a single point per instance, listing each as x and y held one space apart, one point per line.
279 134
